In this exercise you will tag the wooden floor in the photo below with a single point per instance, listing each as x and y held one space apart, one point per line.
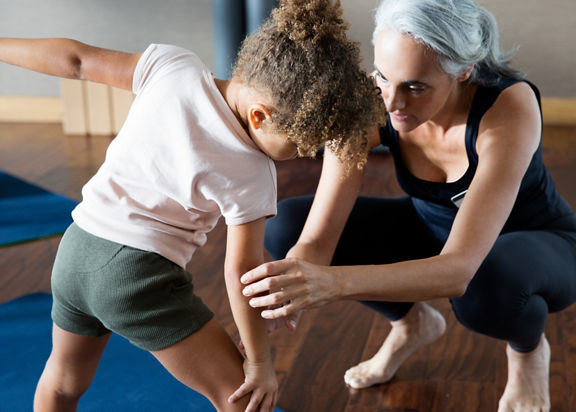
461 372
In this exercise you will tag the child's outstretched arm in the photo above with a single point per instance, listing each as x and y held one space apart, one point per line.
71 59
244 251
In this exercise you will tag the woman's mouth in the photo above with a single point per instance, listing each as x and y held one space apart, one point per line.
399 117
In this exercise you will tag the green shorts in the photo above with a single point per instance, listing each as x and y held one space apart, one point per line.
100 286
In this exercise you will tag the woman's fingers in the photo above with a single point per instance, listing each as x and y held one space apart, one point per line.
281 312
272 299
292 284
267 269
291 321
273 284
268 300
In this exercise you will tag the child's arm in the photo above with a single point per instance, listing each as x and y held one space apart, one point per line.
71 59
244 251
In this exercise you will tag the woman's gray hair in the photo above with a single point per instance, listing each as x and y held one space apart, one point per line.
461 32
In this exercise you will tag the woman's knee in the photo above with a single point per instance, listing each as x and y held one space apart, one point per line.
499 293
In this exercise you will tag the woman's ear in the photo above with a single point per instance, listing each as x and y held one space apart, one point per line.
464 76
257 115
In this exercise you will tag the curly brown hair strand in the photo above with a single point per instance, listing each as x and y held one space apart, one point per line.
302 58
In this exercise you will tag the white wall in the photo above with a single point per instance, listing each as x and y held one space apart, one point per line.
128 25
544 30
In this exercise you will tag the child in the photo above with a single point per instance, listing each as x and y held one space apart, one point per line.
192 148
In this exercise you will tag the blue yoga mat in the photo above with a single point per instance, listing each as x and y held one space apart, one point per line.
29 212
128 379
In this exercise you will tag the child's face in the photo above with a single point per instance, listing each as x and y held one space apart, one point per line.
275 145
260 122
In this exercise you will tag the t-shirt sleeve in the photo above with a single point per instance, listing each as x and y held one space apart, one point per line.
155 62
247 194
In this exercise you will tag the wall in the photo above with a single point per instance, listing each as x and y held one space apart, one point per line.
544 30
128 25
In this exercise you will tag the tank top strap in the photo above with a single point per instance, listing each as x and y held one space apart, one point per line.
481 103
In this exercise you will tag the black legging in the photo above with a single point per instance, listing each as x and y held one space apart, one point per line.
526 275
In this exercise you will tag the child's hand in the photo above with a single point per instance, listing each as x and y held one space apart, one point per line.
261 381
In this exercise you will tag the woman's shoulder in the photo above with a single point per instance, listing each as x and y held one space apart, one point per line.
519 99
514 120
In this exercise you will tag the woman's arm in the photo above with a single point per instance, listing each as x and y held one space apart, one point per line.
333 201
509 136
71 59
244 251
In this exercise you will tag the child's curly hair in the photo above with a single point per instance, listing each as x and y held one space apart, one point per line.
303 60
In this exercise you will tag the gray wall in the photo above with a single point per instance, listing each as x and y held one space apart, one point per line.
128 25
544 30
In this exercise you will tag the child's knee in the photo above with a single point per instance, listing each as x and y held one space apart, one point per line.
63 383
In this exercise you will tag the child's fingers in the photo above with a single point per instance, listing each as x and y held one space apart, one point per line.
242 391
255 402
242 349
267 403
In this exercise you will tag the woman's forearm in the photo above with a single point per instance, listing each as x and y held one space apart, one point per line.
310 253
409 281
299 285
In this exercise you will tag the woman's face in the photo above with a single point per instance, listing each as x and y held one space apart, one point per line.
414 88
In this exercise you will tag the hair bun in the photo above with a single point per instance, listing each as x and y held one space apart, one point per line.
308 21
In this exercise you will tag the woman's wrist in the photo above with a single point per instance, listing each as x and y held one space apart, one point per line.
310 253
341 284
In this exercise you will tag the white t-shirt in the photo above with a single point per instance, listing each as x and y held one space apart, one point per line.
180 162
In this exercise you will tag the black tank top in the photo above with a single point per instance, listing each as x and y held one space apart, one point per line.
538 204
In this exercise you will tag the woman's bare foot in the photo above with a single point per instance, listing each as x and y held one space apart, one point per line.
422 325
528 376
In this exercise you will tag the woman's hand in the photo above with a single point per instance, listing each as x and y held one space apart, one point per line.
292 284
261 381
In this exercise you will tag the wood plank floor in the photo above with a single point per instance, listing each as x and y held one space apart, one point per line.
462 371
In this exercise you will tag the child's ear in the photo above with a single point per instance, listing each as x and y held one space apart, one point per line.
257 115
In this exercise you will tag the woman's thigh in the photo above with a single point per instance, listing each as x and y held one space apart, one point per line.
378 231
525 276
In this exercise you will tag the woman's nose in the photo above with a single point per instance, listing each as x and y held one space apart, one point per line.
393 99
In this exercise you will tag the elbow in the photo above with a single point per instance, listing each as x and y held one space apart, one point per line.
65 55
461 277
74 60
458 290
75 68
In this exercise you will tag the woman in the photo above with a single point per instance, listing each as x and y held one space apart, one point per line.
482 223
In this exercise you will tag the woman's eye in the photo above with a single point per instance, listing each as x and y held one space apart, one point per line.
376 75
417 89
